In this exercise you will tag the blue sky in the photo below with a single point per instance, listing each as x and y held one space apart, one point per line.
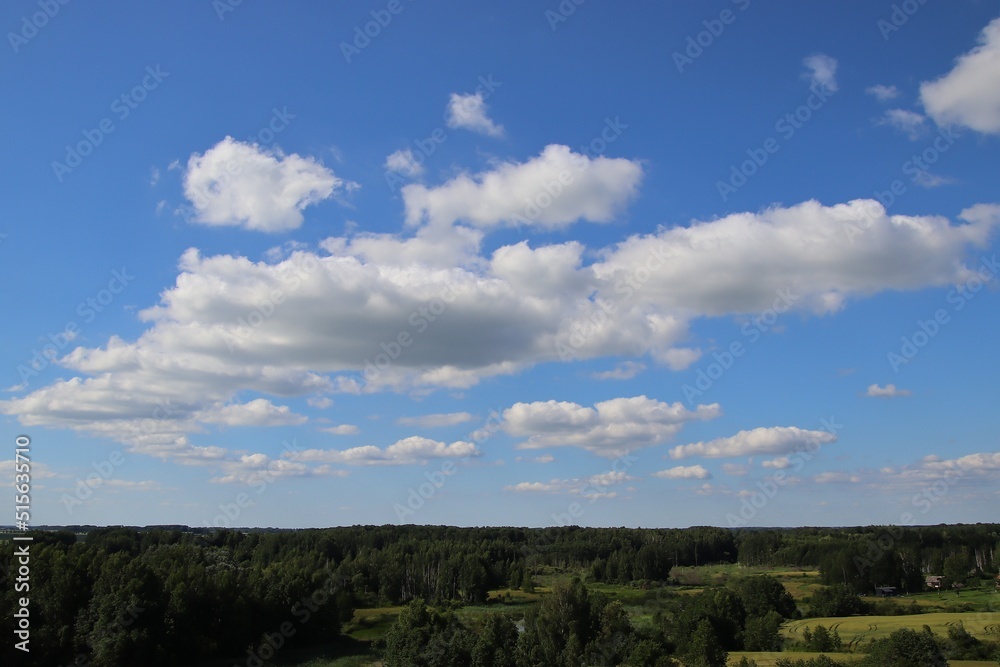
506 263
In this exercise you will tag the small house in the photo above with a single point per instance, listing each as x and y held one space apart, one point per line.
934 582
886 592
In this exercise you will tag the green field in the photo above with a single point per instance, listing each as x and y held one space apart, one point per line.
769 659
857 630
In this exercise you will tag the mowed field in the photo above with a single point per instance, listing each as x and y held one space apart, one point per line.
856 630
771 659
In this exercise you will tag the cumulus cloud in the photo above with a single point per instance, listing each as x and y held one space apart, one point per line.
468 112
821 71
408 451
910 123
836 478
969 95
778 463
404 162
308 323
341 429
623 371
888 391
883 93
764 440
240 184
608 429
258 412
811 250
684 472
553 190
545 458
593 488
985 463
437 420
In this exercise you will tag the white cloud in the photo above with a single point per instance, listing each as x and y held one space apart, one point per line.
888 391
207 341
546 458
321 402
608 429
735 469
836 478
883 93
404 162
593 487
408 451
679 358
552 190
258 412
764 440
926 179
984 463
623 371
779 463
810 250
969 95
129 485
822 71
437 420
910 123
240 184
341 429
154 176
468 112
684 472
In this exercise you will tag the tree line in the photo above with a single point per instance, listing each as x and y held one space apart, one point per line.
159 595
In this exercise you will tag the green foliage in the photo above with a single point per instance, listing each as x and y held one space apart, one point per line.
838 600
762 633
821 639
496 643
961 645
761 594
705 647
722 608
905 648
818 661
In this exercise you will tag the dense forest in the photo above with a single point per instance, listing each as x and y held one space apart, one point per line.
173 595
